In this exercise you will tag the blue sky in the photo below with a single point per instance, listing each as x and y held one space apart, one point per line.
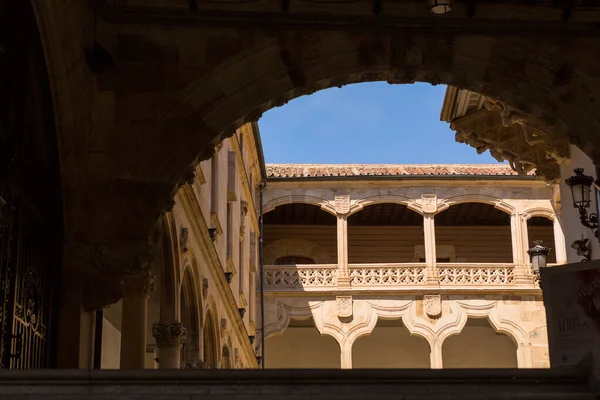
367 123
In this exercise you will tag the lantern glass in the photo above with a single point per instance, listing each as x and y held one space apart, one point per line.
440 7
538 262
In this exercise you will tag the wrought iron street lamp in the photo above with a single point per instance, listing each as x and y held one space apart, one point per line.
539 256
440 7
581 185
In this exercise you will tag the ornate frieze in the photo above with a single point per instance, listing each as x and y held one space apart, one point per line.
170 334
509 137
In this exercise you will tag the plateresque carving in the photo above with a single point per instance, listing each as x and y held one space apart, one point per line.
169 333
138 282
509 137
344 306
243 213
185 237
433 305
429 203
342 204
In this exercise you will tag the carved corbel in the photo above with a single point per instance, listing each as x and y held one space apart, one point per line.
183 241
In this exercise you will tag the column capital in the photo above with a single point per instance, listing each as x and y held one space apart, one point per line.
138 282
170 333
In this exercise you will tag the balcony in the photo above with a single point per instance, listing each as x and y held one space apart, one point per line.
399 276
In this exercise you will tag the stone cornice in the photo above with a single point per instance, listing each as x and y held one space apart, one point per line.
193 212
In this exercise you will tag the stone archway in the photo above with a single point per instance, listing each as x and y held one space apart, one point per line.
129 134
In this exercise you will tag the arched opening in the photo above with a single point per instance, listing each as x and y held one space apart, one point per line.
390 345
384 233
478 345
473 233
542 228
301 345
226 358
31 209
189 305
304 223
210 342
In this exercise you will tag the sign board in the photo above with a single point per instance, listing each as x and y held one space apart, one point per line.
572 301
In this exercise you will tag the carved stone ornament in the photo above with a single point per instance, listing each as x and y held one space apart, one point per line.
243 213
138 283
183 241
236 356
429 203
342 204
508 137
204 288
433 305
223 324
344 306
169 334
105 266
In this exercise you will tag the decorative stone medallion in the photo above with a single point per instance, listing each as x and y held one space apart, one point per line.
429 203
344 306
433 305
342 204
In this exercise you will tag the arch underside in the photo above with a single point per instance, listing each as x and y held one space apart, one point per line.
166 105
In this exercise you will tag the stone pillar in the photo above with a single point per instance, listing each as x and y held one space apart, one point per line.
524 359
517 238
342 207
136 290
430 249
435 357
346 355
559 243
169 338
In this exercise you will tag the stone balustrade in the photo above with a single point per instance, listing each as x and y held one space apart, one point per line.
394 276
506 384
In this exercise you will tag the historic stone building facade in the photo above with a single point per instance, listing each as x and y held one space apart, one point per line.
405 266
201 304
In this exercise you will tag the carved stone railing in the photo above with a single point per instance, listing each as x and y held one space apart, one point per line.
476 274
398 276
300 277
369 275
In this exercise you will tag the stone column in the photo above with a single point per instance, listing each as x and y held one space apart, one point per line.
346 355
430 249
519 247
518 234
169 338
559 242
524 359
136 290
430 207
342 207
435 357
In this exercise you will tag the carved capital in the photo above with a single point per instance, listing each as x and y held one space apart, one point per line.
169 334
140 282
429 203
342 204
105 266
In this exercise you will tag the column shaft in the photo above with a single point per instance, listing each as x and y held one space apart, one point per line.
430 248
342 251
559 242
136 289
